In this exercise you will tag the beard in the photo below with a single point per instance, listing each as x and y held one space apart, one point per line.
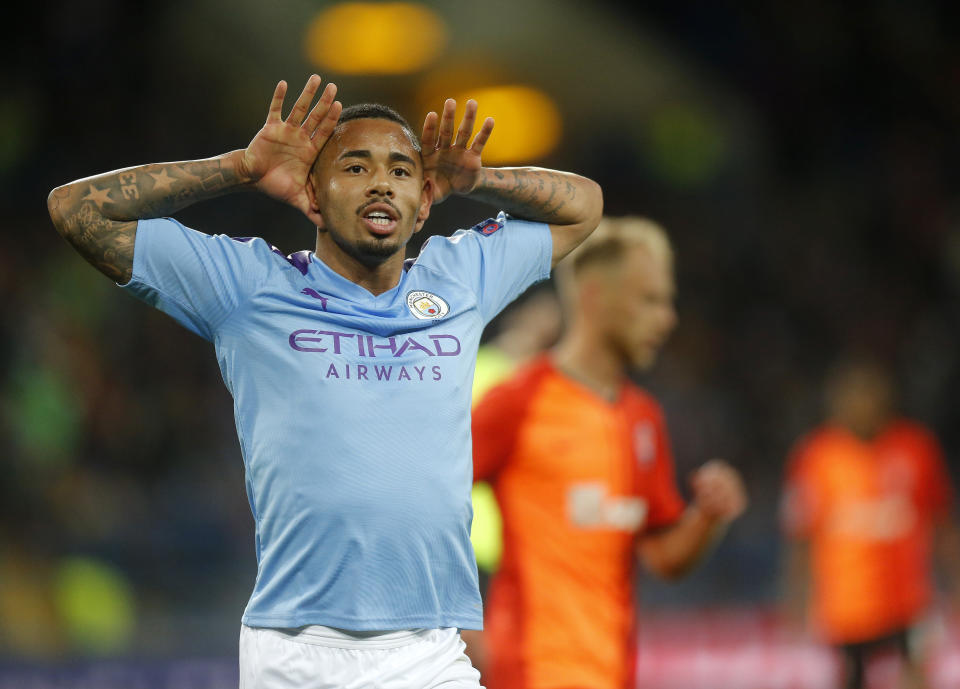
370 251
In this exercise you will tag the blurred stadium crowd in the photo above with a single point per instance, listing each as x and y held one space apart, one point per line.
823 220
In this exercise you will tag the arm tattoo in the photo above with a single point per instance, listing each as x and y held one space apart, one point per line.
533 193
99 215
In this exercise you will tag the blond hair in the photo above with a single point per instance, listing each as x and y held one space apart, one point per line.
609 242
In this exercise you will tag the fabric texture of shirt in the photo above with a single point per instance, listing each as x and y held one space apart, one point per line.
868 510
577 479
352 410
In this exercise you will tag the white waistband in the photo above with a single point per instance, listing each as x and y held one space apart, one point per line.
320 635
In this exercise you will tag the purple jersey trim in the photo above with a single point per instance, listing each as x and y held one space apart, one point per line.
299 260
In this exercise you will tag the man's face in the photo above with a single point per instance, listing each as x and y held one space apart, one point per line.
862 400
638 312
368 185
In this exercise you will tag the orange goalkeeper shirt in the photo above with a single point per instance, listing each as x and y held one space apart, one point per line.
577 478
868 510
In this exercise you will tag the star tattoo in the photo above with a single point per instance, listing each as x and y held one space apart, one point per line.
98 196
161 180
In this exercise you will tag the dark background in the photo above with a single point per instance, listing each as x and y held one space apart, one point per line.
802 156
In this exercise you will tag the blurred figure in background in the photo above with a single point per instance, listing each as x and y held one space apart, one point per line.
526 328
580 462
867 503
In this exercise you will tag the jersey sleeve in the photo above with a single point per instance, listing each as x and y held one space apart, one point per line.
664 500
497 259
197 279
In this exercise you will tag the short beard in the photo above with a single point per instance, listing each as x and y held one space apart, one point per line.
369 252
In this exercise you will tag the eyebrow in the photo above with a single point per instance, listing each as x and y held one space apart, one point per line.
394 157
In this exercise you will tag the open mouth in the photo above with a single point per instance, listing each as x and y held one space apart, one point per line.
380 218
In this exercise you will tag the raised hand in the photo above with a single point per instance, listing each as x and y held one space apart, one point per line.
718 491
278 159
452 165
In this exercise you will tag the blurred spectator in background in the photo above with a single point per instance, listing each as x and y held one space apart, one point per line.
866 506
580 462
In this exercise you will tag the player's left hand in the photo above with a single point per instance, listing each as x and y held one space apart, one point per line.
452 166
718 491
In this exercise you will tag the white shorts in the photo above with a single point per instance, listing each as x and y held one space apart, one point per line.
318 657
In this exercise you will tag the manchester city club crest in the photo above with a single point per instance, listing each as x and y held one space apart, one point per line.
427 306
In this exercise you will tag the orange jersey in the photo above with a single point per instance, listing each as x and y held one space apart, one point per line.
868 509
577 478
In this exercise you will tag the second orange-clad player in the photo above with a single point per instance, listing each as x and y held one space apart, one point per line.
580 462
867 506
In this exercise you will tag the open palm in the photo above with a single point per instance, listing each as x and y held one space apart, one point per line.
452 165
278 159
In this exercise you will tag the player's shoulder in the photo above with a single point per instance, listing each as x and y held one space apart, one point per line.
466 239
641 402
817 444
454 256
264 251
908 428
525 380
910 434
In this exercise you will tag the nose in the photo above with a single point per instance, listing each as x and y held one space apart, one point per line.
670 318
380 185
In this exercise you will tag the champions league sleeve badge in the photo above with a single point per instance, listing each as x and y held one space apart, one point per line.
426 306
487 227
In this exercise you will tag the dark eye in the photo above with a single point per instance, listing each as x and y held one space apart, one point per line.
401 172
355 169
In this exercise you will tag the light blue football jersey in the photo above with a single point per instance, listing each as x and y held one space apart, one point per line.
353 412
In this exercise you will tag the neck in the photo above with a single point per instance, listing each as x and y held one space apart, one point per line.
586 357
863 430
376 279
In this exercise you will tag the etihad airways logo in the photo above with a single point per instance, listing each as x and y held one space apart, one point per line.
355 344
350 345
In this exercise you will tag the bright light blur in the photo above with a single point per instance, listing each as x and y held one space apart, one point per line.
527 122
375 38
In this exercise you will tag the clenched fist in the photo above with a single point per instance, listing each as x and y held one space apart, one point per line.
718 491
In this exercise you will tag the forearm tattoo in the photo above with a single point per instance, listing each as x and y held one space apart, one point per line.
99 215
532 193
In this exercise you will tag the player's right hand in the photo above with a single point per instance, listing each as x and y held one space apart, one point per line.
277 161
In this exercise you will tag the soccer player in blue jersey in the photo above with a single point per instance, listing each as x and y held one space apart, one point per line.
350 368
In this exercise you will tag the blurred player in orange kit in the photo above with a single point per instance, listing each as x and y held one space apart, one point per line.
580 462
867 503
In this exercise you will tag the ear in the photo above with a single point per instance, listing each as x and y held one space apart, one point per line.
594 294
426 201
313 209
